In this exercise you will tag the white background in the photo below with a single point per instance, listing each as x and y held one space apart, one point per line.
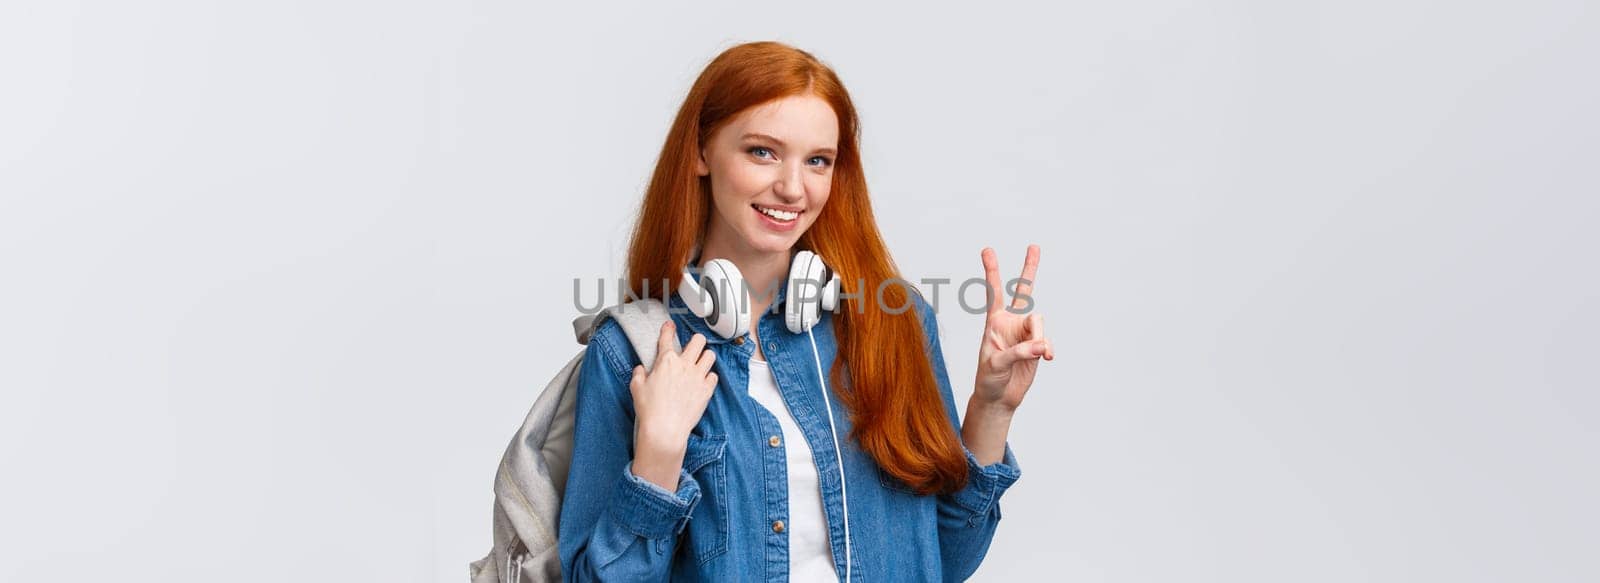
280 279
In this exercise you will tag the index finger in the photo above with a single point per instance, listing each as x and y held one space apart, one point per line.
991 274
1030 266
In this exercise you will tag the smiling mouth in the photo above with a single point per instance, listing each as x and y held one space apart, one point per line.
777 215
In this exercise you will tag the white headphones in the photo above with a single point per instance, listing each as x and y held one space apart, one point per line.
720 297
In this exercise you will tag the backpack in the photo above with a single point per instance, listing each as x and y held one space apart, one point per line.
533 471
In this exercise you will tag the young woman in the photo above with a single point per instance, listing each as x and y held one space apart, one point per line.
724 461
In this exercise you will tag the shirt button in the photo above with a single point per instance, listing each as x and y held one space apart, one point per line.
777 527
739 341
774 441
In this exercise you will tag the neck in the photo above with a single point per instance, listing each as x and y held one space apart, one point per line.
762 270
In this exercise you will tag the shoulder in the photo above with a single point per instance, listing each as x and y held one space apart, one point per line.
925 313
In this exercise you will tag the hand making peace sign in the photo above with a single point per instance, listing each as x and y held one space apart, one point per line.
1012 342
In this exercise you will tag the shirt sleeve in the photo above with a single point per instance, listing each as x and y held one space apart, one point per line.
615 526
967 517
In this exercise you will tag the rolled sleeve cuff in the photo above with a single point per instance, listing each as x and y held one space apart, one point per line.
985 484
650 511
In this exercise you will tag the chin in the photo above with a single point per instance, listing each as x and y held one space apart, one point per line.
766 242
772 247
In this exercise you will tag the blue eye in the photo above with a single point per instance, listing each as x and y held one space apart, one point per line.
758 150
824 159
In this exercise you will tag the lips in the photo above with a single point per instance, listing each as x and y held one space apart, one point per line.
774 222
778 214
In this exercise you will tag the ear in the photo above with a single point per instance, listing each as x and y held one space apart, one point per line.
700 167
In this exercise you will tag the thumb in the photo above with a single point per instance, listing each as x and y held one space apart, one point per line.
664 343
1030 350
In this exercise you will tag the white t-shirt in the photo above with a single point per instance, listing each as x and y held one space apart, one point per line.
810 557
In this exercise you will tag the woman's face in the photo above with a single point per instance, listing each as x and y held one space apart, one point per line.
772 159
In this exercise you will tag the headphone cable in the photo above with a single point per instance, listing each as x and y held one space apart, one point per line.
837 454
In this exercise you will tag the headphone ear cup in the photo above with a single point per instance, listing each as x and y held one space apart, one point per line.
729 311
808 280
699 303
830 291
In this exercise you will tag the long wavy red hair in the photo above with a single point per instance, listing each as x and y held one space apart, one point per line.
884 374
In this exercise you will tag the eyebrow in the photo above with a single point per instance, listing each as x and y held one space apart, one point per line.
780 142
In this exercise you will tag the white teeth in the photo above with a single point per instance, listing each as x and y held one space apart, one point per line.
777 214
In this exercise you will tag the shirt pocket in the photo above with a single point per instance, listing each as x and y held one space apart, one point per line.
705 460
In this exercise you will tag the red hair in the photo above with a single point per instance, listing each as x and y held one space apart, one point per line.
884 374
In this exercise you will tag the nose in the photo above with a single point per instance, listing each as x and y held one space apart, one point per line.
790 187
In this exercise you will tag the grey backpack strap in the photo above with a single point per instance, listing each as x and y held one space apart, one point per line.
641 321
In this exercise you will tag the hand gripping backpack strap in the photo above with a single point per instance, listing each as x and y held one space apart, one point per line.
641 321
533 471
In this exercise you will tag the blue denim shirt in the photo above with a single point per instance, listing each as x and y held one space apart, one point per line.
719 524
